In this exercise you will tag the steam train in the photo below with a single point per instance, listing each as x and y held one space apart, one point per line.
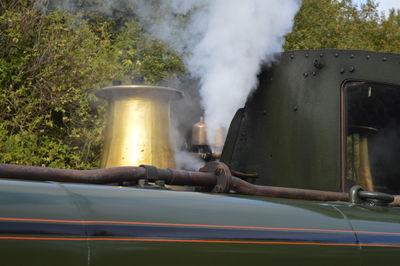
308 175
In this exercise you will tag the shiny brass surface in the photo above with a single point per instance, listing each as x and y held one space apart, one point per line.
138 126
199 133
365 175
358 161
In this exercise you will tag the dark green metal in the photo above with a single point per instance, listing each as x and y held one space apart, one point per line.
377 219
289 131
40 200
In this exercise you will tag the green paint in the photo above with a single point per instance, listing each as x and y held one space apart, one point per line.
289 131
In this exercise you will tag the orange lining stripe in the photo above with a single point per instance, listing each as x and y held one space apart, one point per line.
195 241
194 225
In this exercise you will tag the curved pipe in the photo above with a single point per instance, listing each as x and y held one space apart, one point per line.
244 187
170 176
106 175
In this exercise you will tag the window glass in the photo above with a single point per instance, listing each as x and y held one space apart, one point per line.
373 136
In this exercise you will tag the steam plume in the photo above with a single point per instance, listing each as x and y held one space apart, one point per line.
224 42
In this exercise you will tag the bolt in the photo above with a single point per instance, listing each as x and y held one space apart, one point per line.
295 108
291 56
314 73
219 170
143 182
306 55
321 55
352 69
160 183
336 55
318 64
218 188
352 56
368 57
342 70
384 59
305 74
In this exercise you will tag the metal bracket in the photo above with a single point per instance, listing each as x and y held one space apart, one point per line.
223 175
358 195
353 194
151 172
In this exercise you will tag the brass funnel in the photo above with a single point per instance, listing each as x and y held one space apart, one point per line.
138 126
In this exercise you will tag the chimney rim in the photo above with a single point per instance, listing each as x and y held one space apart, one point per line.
128 91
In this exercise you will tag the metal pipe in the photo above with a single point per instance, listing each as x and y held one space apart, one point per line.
169 176
98 176
244 187
106 175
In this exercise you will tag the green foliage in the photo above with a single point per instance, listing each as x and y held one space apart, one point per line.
338 24
49 65
144 58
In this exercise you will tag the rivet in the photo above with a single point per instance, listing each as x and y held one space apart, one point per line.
219 171
143 182
218 189
314 73
342 70
305 74
295 108
352 56
352 69
321 55
291 56
336 55
368 57
264 112
384 59
306 55
160 183
318 64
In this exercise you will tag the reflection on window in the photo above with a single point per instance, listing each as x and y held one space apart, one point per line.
373 136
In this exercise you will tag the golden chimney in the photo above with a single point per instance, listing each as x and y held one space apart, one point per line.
138 129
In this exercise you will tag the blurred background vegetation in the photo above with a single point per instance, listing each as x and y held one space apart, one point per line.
51 61
49 65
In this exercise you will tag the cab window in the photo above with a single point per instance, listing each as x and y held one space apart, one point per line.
372 143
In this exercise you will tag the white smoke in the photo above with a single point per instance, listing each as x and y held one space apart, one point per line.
224 43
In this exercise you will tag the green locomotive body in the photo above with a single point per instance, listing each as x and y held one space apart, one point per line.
46 223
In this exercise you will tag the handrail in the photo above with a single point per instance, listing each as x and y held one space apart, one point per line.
215 175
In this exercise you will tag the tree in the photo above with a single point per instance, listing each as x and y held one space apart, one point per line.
338 24
49 65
